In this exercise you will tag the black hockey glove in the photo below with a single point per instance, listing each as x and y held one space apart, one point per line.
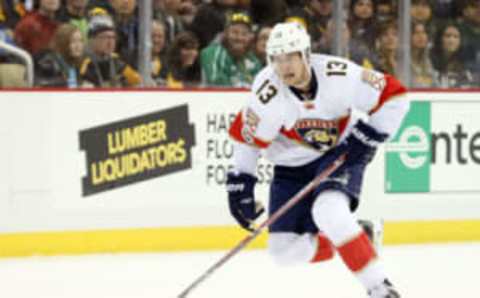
361 144
241 199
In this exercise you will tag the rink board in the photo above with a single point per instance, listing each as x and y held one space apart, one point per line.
145 171
206 238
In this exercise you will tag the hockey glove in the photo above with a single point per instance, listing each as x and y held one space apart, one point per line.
241 199
362 143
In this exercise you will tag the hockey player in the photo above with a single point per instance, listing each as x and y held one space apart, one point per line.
304 111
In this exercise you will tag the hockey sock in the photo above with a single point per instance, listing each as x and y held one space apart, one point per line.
332 215
325 250
360 257
357 253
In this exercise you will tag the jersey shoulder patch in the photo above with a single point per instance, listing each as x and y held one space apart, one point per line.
373 78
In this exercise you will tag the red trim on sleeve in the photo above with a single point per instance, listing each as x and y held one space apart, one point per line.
357 253
393 87
244 134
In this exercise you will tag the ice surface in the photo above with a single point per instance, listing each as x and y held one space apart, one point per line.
419 271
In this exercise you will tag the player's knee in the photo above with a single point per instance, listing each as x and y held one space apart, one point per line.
332 215
327 207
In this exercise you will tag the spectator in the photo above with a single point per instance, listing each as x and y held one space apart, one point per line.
211 19
446 9
314 16
35 31
245 4
470 29
386 10
159 60
354 50
187 11
59 65
261 43
167 11
75 12
98 11
102 67
294 3
126 22
387 47
231 63
6 35
183 62
361 21
422 72
10 13
232 4
105 6
422 12
448 60
267 12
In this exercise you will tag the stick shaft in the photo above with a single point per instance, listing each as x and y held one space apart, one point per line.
269 221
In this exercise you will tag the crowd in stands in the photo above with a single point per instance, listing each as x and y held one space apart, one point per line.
221 43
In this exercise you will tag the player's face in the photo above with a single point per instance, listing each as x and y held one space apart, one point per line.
291 69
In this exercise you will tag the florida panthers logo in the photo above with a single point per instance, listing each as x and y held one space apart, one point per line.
319 134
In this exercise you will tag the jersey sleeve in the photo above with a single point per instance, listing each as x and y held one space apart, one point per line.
245 158
392 106
381 96
261 120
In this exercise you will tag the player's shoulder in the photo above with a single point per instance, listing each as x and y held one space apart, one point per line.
334 66
266 97
267 86
342 73
265 74
323 59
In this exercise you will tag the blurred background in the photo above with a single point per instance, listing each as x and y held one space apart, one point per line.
221 43
114 118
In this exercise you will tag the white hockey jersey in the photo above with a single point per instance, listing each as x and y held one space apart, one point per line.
293 132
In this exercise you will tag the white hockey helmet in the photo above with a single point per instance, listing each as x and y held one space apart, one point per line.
288 38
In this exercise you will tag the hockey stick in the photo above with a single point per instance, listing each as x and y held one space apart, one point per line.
269 221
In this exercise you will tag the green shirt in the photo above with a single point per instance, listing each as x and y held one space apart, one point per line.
219 68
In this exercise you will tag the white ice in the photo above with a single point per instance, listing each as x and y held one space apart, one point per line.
419 271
